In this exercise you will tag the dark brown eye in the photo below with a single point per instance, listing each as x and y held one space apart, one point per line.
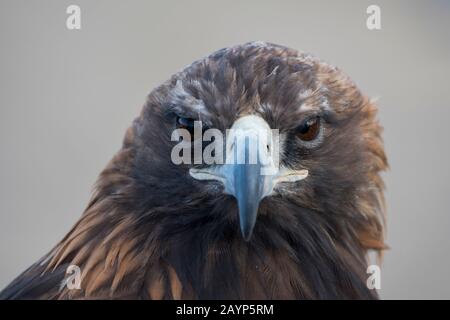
309 129
186 123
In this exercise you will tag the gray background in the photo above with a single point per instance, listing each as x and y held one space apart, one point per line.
67 97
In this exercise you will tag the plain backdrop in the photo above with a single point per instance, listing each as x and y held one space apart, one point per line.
67 97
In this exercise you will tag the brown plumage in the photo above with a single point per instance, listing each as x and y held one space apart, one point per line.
152 231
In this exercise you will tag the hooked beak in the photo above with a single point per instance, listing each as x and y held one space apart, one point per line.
251 171
249 187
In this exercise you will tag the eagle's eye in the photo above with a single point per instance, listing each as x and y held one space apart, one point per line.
186 123
309 129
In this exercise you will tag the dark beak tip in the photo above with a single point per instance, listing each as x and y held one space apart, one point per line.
247 233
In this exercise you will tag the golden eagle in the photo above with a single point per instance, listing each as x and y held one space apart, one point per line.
155 229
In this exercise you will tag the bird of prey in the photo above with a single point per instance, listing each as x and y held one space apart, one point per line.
155 229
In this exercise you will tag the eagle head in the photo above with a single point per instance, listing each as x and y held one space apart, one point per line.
314 138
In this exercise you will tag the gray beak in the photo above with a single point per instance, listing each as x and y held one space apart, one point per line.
248 189
251 171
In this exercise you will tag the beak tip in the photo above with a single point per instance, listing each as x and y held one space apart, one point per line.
247 233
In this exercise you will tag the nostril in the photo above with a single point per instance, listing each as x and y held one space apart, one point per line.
268 148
